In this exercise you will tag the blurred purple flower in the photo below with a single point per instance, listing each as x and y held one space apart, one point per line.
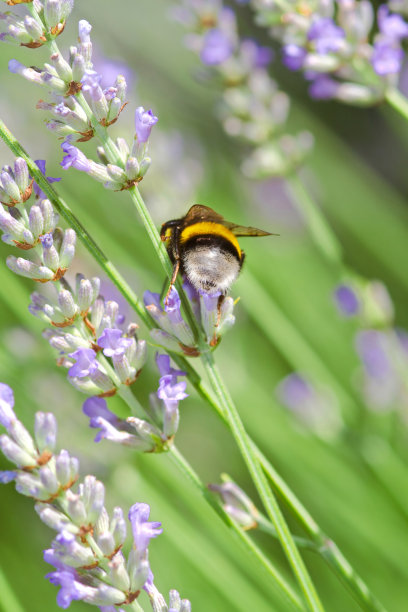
216 47
346 300
293 56
295 391
371 346
387 57
326 35
323 88
7 476
390 25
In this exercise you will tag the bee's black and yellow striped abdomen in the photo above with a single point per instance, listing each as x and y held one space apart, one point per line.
210 231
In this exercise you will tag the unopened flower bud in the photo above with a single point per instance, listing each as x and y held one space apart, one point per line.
45 431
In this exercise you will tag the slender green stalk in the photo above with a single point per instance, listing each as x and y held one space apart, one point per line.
8 599
337 563
134 606
320 230
262 486
398 101
291 597
266 526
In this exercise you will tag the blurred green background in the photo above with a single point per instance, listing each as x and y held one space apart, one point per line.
286 321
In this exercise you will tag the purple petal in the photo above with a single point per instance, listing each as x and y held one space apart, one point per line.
144 122
142 529
97 407
7 476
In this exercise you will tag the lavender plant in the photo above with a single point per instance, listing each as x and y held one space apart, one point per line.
87 552
119 170
251 105
343 48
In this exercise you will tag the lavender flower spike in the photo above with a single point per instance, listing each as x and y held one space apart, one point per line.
144 122
93 569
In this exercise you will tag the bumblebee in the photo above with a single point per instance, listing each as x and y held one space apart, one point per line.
203 246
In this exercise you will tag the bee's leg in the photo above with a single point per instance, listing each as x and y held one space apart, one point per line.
175 252
220 302
166 226
176 269
214 339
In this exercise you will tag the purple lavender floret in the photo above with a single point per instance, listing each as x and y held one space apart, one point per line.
294 56
346 300
172 307
113 342
95 408
323 88
372 348
295 391
390 25
326 35
74 157
165 369
7 476
216 47
86 363
387 58
144 122
41 164
66 578
47 241
143 530
171 393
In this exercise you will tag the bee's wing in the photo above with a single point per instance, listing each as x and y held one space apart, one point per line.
241 230
199 212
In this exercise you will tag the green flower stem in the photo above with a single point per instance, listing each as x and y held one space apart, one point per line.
266 526
258 476
189 472
320 230
134 606
8 600
280 487
398 101
337 563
